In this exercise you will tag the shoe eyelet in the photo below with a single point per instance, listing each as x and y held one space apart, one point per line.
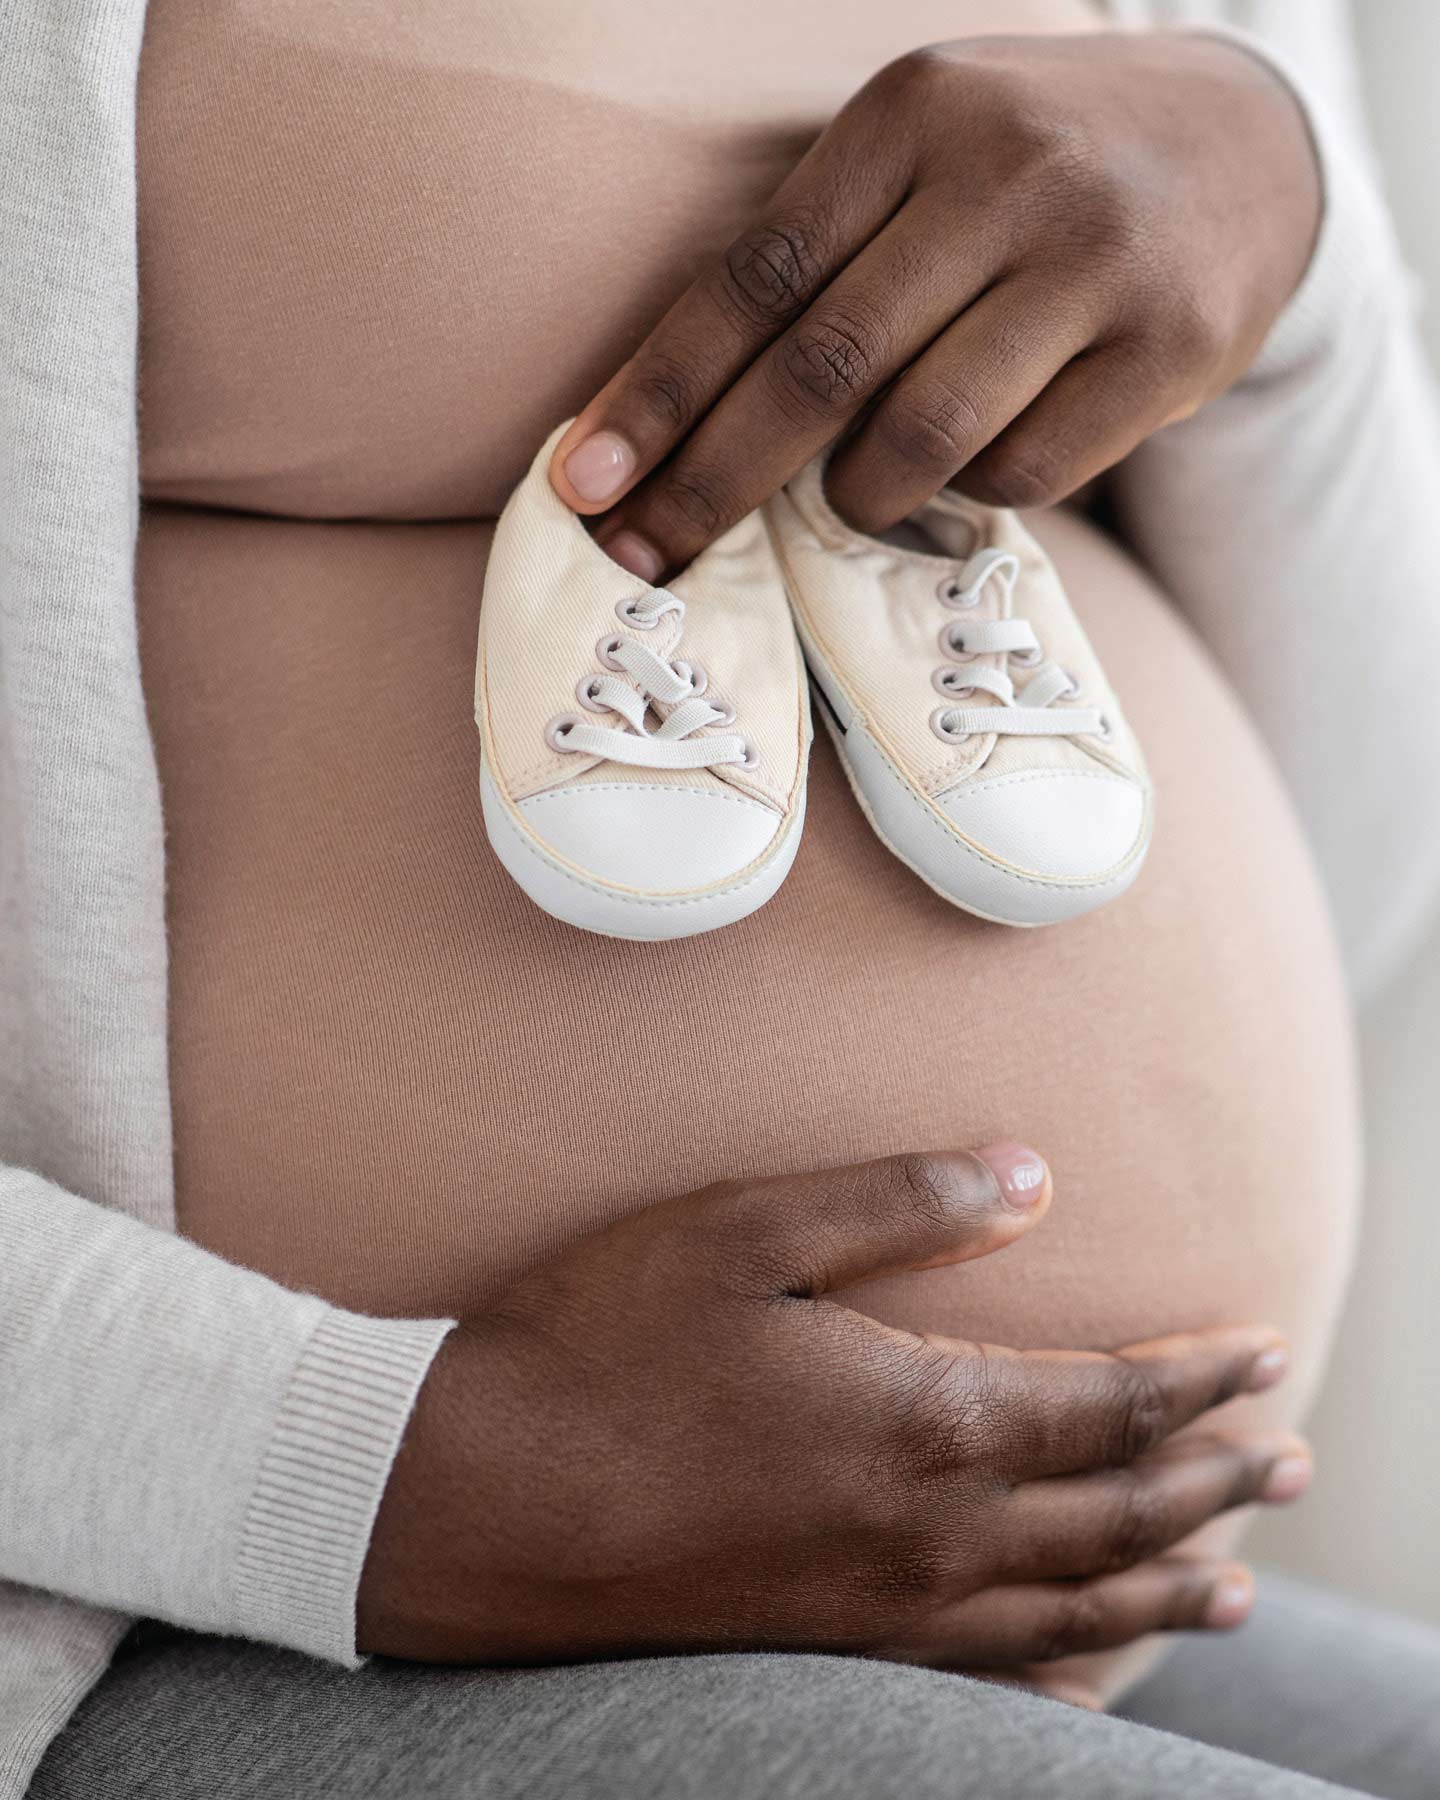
726 712
1027 659
951 593
751 758
605 651
694 674
942 731
559 729
950 649
1073 691
1106 731
629 611
951 683
584 693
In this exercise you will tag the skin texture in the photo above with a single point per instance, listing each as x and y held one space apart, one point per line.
668 1438
1007 261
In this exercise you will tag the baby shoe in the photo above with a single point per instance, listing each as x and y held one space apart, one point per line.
643 749
971 715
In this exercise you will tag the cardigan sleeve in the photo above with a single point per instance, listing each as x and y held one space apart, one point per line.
182 1437
179 1436
1296 522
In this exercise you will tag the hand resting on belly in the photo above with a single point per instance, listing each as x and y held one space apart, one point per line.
667 1438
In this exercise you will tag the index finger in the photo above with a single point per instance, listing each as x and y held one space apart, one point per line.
835 200
1070 1411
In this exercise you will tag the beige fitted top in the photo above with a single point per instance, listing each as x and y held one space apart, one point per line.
385 246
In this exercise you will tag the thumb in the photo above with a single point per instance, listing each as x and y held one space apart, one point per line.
819 1232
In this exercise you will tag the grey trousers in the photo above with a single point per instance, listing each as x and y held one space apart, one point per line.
1315 1697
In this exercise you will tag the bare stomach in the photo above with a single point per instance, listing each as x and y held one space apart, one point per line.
396 1083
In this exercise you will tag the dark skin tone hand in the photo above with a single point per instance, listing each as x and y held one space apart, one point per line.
1005 263
668 1438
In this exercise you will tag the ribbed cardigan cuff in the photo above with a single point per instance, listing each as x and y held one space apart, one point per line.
308 1523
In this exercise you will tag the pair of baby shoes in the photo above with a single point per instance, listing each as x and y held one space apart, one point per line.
644 750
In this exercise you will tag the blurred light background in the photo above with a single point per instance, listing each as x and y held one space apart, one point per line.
1368 1525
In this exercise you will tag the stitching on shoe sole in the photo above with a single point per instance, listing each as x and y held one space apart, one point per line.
645 787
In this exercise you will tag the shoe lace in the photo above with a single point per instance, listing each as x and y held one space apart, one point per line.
637 685
1042 707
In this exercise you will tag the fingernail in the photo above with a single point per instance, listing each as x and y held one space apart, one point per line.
1270 1367
1232 1599
599 466
1288 1478
632 552
1021 1173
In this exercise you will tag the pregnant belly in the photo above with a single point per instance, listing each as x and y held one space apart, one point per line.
397 1083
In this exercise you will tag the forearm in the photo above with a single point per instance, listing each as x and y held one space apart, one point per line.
185 1438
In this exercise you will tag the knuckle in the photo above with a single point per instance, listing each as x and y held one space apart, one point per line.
1030 149
950 1419
766 1249
693 504
1141 1412
1137 1531
664 391
1024 477
918 71
1247 1467
925 1186
1146 372
772 269
923 1427
956 1424
1100 225
1194 334
1079 1625
934 430
724 1208
1050 149
932 1524
1106 213
1184 1607
739 1249
828 365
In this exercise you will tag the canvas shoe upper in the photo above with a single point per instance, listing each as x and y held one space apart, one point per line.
970 712
643 749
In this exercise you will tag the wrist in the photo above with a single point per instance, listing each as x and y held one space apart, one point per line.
1286 151
345 1409
408 1602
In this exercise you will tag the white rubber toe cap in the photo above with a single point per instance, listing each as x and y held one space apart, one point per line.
640 859
1027 849
1061 824
659 839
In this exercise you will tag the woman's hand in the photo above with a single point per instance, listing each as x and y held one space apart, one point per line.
667 1438
1008 259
